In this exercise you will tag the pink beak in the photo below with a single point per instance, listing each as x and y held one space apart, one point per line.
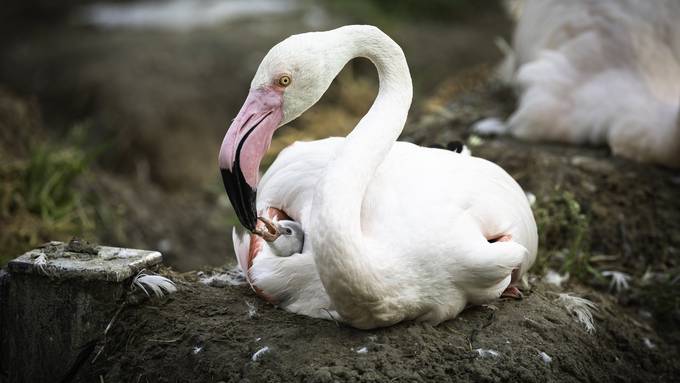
243 147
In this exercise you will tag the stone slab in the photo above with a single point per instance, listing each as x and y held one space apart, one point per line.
112 264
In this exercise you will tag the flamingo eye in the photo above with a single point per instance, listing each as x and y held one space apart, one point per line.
285 80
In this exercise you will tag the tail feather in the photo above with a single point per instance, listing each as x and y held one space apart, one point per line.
491 269
495 262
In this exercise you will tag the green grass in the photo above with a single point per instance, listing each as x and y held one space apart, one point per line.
39 200
564 236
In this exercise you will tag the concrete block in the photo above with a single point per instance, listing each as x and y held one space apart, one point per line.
56 300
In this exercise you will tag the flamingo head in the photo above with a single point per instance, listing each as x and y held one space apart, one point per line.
291 78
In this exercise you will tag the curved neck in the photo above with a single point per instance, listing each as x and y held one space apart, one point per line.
341 251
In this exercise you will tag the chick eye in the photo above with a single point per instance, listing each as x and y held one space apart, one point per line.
284 80
287 231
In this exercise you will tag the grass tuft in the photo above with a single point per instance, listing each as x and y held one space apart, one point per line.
38 197
564 236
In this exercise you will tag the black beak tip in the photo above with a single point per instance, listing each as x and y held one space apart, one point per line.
241 196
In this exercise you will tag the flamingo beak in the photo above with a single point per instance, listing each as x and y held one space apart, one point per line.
243 147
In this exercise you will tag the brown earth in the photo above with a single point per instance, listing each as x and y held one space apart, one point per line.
210 334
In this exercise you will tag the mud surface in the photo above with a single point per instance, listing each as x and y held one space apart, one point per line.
212 334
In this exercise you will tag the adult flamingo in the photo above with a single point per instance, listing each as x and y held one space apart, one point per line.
393 231
597 72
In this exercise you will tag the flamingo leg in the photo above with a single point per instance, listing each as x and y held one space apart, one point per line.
511 292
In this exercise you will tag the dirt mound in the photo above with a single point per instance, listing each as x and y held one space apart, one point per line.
213 334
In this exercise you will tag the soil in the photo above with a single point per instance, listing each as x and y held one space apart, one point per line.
210 334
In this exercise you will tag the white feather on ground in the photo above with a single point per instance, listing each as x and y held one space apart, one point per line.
233 277
260 353
581 308
619 280
648 343
252 310
554 278
531 197
547 359
487 353
41 263
490 126
159 285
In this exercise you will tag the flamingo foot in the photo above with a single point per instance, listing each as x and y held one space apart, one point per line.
512 292
505 238
270 232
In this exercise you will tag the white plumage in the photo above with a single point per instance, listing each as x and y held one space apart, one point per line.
393 231
598 72
157 284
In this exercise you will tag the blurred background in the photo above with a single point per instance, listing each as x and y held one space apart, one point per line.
112 113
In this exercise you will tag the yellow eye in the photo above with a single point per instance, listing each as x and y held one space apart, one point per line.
284 80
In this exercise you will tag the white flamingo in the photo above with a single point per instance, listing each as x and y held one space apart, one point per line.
393 231
597 72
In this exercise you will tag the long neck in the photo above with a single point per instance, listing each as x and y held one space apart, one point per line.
341 251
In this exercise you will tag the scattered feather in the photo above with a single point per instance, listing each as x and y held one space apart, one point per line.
554 278
475 141
362 350
648 276
41 263
619 280
648 342
580 307
531 197
487 353
545 357
489 126
252 310
645 314
197 349
260 353
159 285
233 277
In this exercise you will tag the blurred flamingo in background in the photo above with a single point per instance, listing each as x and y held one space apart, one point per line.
595 72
